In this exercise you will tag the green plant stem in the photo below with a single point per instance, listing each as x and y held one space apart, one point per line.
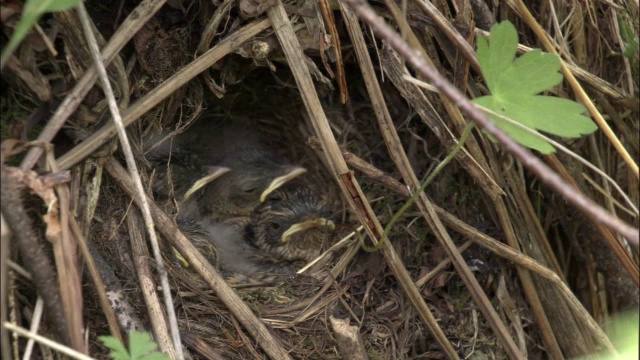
423 186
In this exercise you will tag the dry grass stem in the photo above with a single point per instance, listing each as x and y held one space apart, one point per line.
133 171
47 342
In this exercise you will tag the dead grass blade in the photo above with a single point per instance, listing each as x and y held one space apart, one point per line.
348 183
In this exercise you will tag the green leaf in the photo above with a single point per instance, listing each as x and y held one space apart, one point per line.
498 59
61 5
531 73
154 356
140 343
141 347
118 351
628 37
514 86
623 330
31 13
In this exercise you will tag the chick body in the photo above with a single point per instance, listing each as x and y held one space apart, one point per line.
255 171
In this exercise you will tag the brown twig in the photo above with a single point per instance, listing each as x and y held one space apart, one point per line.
400 159
36 261
330 21
348 184
67 265
97 280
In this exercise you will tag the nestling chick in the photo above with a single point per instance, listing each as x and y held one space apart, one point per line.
255 172
236 257
254 175
291 227
293 224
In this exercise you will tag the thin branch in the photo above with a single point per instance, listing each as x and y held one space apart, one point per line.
135 175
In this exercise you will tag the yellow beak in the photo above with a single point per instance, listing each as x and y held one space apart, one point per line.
308 224
281 180
214 173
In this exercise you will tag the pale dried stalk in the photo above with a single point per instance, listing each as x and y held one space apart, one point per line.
133 170
47 342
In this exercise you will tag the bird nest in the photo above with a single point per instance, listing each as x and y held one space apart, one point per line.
332 97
